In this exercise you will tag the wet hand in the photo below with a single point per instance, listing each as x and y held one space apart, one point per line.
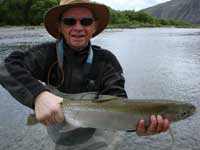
48 108
158 125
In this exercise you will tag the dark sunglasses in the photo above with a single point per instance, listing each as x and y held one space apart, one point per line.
85 21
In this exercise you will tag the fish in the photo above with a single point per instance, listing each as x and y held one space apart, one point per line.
87 110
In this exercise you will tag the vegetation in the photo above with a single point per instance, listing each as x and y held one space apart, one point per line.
132 19
31 12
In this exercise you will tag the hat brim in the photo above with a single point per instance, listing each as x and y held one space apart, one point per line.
100 12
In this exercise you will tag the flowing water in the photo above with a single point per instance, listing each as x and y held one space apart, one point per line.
161 63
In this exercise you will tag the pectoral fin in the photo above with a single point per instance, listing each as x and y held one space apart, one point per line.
172 136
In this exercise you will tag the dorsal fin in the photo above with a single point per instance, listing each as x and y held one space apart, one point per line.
105 98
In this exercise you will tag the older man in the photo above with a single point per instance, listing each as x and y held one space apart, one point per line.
72 64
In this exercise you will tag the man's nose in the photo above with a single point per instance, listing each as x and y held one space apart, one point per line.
78 26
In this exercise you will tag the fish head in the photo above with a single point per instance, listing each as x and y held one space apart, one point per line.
180 111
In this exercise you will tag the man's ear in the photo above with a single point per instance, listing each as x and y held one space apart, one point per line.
96 24
59 30
59 27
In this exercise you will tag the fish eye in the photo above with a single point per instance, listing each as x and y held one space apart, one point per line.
184 114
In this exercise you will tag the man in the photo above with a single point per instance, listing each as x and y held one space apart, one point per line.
72 64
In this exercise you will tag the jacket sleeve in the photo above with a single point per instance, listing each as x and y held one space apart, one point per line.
21 72
112 77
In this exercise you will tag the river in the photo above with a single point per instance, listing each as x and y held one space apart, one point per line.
161 63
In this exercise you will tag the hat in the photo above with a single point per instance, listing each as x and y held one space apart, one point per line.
99 11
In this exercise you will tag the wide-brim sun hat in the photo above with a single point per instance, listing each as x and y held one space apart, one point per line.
52 18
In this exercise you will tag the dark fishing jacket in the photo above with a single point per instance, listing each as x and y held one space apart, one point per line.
21 72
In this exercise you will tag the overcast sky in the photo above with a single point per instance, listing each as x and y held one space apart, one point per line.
130 4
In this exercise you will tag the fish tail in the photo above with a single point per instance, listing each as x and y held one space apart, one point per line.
31 120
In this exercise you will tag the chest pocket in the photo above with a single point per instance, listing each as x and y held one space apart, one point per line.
89 79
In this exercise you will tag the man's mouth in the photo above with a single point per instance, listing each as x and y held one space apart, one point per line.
78 36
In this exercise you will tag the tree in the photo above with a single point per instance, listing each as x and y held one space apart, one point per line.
22 12
39 9
142 16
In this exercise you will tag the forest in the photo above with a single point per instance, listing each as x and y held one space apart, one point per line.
32 12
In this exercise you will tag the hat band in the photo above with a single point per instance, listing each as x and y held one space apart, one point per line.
73 1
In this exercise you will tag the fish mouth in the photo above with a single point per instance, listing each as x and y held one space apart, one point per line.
190 112
193 110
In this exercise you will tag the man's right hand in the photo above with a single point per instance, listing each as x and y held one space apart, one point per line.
48 108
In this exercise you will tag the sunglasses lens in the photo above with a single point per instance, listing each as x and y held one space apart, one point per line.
69 21
86 21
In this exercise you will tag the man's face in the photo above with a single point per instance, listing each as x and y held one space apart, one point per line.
77 35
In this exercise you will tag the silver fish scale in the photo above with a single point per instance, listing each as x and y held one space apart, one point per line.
101 119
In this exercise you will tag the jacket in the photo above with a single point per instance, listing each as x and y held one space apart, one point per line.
22 72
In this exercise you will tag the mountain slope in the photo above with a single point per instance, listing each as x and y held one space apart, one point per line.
186 10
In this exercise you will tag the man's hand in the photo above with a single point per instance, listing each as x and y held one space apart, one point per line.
48 108
158 125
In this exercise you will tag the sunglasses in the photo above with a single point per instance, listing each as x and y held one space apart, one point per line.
85 21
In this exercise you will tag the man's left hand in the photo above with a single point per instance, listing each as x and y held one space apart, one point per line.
158 125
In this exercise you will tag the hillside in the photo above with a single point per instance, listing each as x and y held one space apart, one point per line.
186 10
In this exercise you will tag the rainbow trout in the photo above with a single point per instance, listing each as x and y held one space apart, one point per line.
116 113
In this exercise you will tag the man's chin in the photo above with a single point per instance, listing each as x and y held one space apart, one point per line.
78 47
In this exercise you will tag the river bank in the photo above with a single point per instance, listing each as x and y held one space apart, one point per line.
114 26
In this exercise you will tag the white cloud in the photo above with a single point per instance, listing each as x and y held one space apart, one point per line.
130 4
